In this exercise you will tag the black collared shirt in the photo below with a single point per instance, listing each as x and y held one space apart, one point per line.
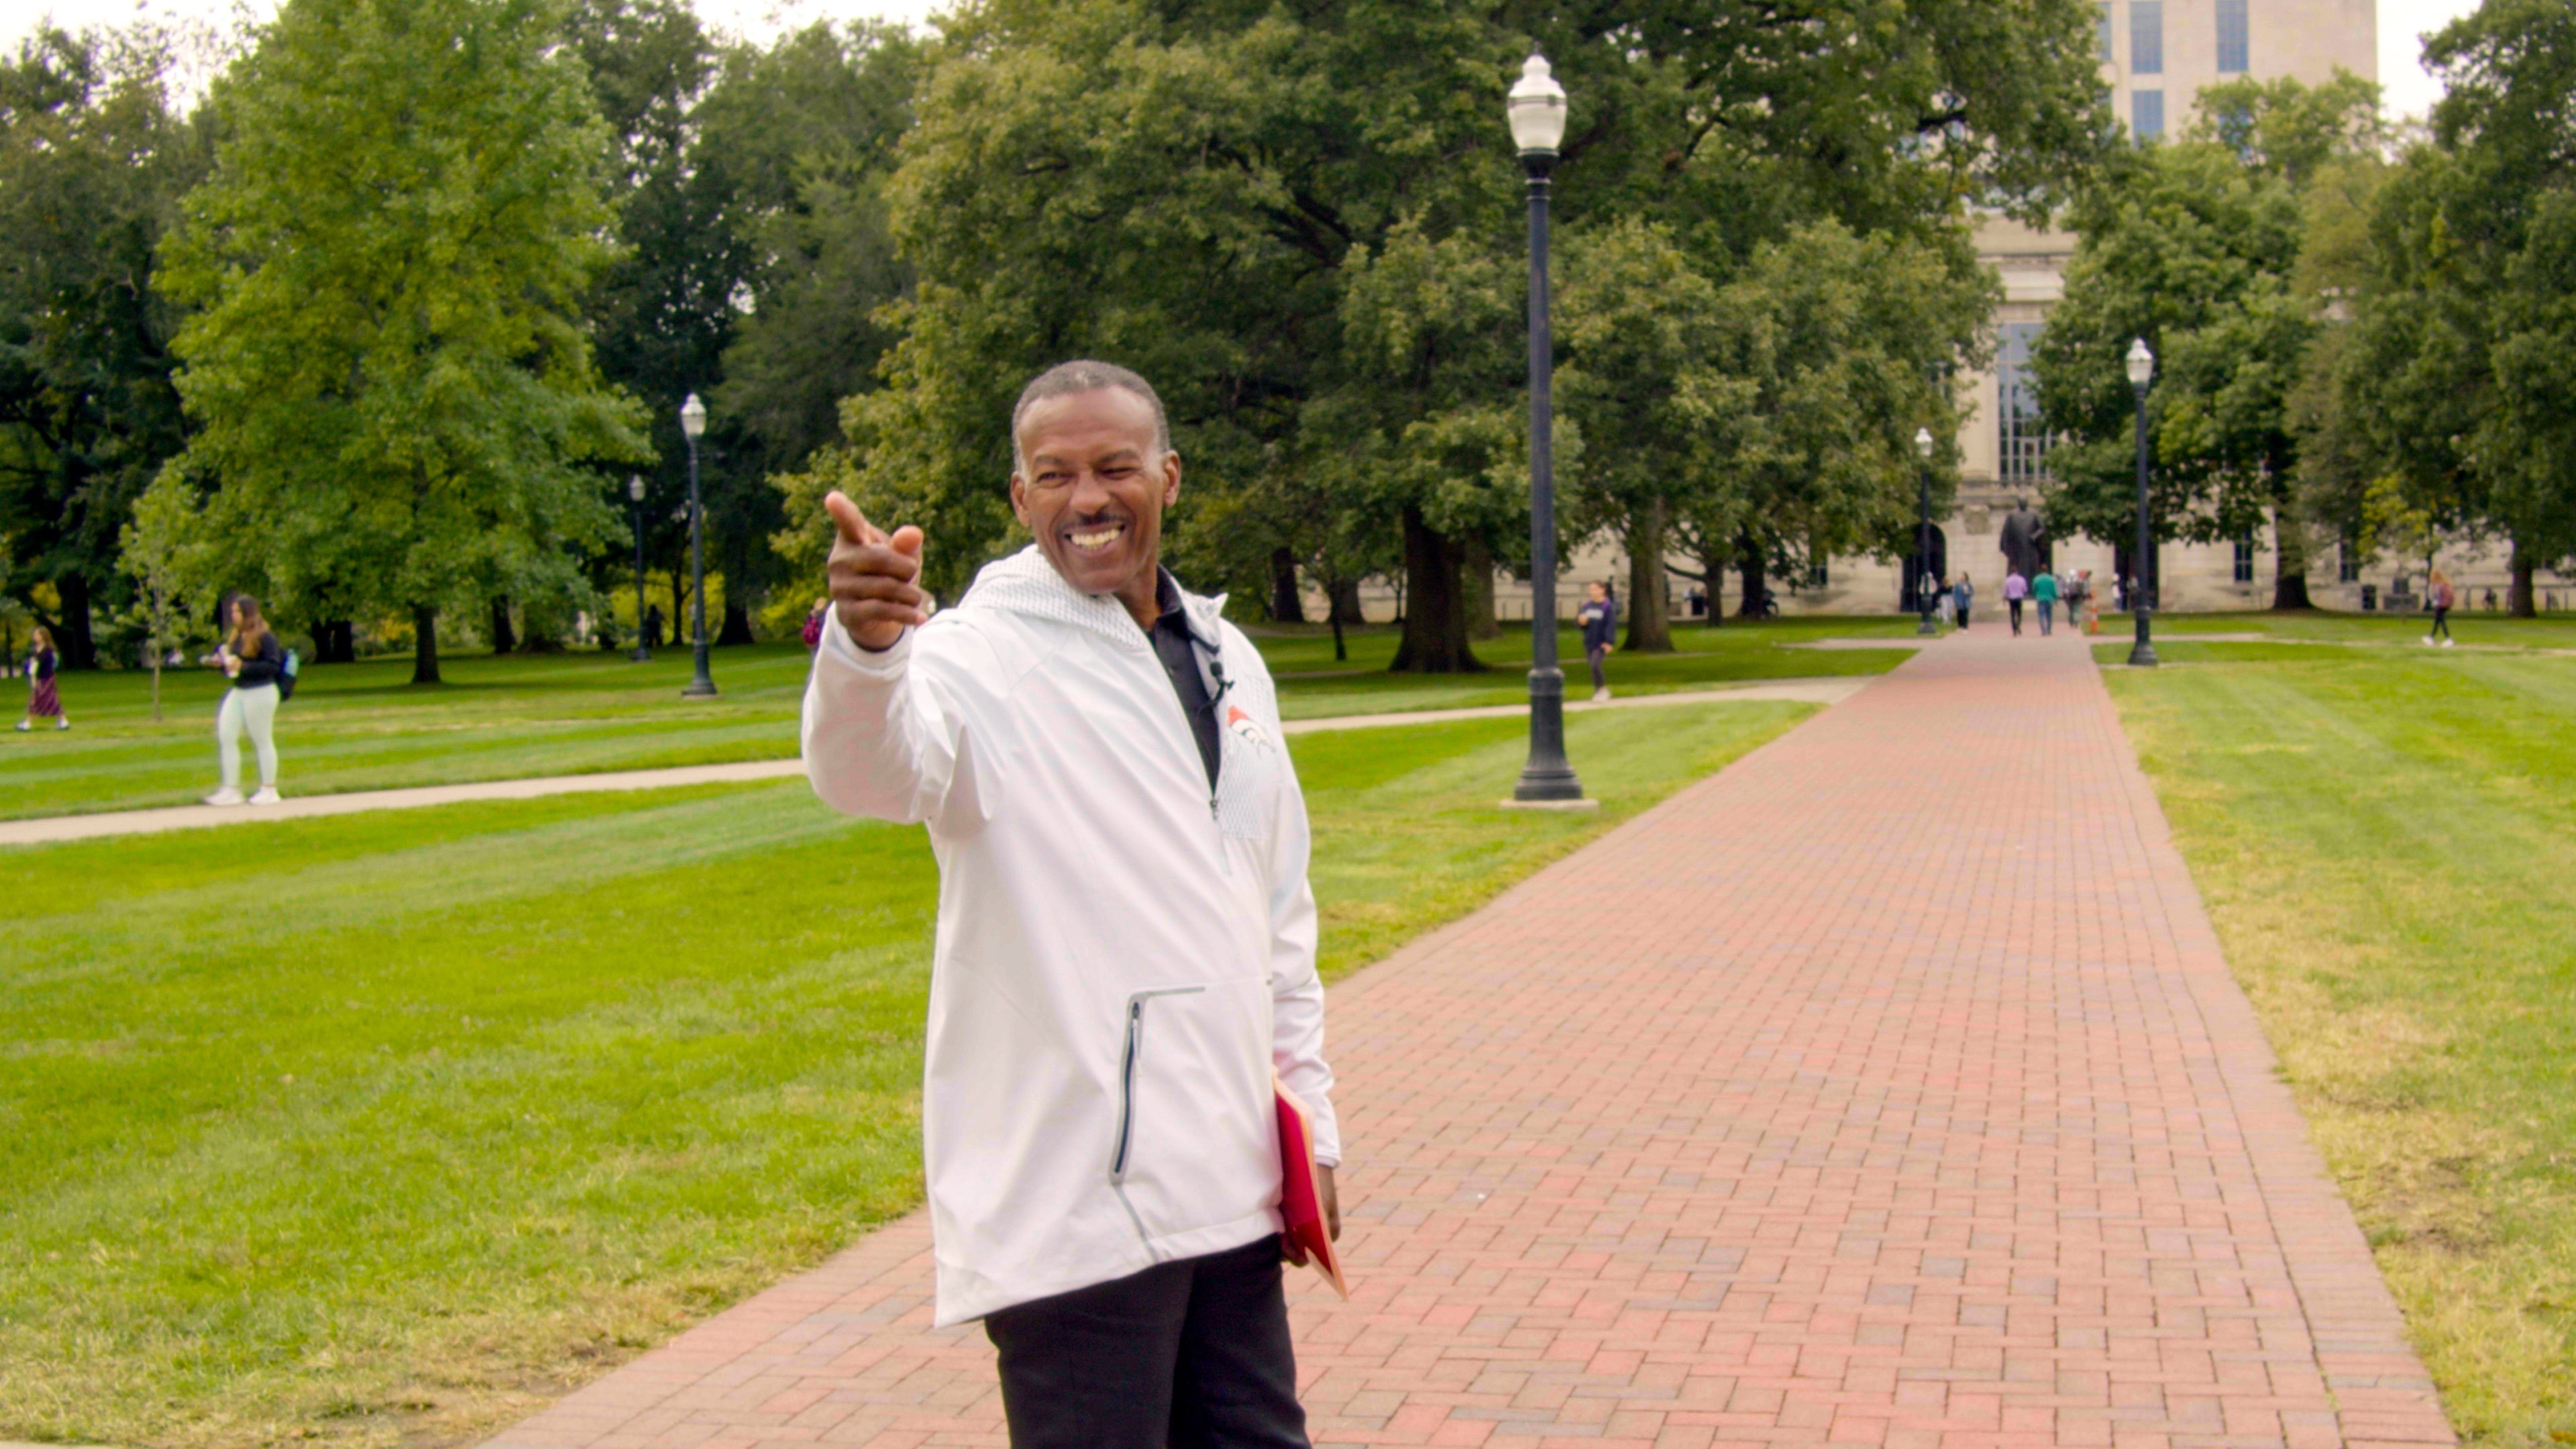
1171 636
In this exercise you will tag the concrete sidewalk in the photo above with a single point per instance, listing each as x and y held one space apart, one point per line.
1887 1089
55 829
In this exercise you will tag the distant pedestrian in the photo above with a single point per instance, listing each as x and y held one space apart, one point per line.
2043 591
653 627
2089 599
42 701
2491 600
1941 597
814 625
2016 589
2439 597
1600 619
1962 593
252 655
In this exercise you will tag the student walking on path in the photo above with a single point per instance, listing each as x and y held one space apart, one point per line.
2016 589
252 655
1600 619
1125 951
1961 595
2043 591
2438 593
42 700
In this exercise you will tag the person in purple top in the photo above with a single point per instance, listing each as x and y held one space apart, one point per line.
2016 589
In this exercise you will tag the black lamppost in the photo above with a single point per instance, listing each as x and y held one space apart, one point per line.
693 421
1923 532
643 652
2142 370
1537 111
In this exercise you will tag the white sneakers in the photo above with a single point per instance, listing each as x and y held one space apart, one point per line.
225 796
2445 642
267 796
1600 696
228 796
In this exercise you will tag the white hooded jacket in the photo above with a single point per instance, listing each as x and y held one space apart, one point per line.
1124 957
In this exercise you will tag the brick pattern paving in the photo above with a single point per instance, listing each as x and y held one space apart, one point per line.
1886 1089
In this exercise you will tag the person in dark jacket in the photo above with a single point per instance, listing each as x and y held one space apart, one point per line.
1600 619
252 655
42 701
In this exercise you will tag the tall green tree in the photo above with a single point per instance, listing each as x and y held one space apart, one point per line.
93 161
1305 224
397 403
2195 246
2459 372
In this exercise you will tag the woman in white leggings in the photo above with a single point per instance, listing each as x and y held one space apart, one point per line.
252 656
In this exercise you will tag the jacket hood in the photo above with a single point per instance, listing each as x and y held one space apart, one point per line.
1025 583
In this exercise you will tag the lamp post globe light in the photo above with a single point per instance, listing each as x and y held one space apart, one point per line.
643 651
1536 108
1923 531
693 421
2142 371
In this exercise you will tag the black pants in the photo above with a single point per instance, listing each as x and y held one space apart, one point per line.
2014 606
1186 1354
2441 623
1595 654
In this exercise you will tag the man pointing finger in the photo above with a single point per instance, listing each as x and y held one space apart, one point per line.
1126 941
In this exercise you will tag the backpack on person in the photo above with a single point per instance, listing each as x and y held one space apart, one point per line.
286 673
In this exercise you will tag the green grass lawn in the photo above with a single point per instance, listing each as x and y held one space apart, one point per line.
363 727
386 1128
2387 842
2475 629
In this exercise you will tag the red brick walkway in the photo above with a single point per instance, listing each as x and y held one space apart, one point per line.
1887 1088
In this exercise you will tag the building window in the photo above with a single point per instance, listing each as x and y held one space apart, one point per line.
2147 37
2021 442
2347 563
2147 115
1816 576
2233 45
2106 32
2245 559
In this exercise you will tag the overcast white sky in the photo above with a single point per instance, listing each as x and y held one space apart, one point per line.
2410 91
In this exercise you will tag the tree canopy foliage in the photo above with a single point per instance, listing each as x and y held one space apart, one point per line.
1304 223
388 372
93 162
2460 377
2196 246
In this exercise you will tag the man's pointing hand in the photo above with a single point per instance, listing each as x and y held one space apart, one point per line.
871 575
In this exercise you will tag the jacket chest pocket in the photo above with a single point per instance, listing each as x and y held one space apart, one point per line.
1247 780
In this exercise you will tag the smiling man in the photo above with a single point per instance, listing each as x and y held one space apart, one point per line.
1126 941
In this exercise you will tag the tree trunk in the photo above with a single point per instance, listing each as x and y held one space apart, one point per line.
737 624
424 644
1749 563
2519 601
72 638
1435 606
1344 597
1650 600
1285 605
335 641
2289 564
1476 579
504 638
1712 562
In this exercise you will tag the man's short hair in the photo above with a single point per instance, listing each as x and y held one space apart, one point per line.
1084 375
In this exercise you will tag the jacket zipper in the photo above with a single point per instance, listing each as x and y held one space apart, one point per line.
1127 1073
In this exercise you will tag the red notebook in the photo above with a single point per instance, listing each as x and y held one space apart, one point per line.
1301 1191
